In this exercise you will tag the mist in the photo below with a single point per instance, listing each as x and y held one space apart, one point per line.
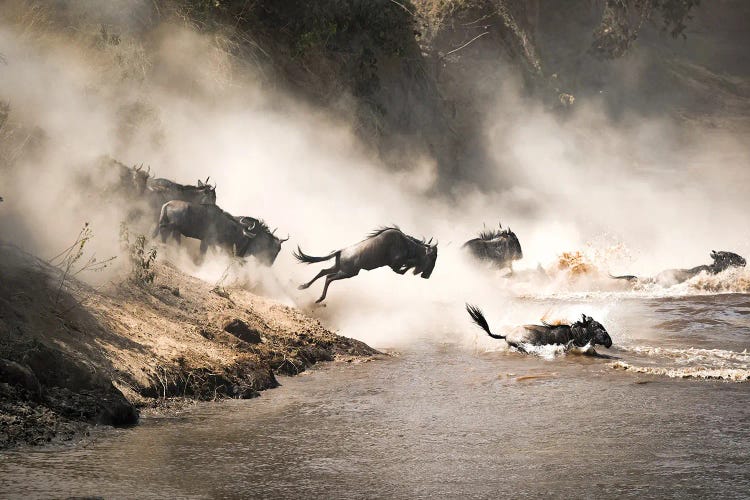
656 192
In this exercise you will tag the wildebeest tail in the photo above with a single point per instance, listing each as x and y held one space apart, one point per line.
162 221
478 318
309 259
628 277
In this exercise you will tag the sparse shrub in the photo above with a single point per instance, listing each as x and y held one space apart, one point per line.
218 288
141 259
68 259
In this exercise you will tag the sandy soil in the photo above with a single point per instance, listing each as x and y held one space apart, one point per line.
95 356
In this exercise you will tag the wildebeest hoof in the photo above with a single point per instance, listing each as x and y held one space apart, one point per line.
302 287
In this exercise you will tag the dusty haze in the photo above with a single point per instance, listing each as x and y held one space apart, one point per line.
661 193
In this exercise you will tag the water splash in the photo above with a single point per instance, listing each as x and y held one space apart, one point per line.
729 374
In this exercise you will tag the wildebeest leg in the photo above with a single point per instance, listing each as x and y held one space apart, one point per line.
322 273
595 354
329 279
519 347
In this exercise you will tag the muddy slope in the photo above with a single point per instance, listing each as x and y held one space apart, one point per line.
72 355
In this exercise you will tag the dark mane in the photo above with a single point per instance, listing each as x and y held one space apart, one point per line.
491 234
383 229
260 224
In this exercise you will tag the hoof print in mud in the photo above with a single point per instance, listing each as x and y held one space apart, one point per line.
242 331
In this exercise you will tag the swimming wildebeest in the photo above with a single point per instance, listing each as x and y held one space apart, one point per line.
387 246
579 334
207 223
500 247
721 261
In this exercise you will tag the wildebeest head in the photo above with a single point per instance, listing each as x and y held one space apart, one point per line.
724 260
265 245
139 178
430 257
209 192
595 332
245 239
504 243
514 246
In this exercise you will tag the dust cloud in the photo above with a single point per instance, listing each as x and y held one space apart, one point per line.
176 100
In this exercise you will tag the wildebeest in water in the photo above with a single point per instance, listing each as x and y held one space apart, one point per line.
721 262
499 247
579 334
238 236
387 246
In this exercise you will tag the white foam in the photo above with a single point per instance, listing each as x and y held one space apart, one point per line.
697 372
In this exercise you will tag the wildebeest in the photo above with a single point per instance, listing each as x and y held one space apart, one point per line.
387 246
163 190
721 261
207 223
579 334
500 247
115 178
239 236
266 245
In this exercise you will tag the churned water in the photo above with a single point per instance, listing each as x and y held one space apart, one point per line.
669 419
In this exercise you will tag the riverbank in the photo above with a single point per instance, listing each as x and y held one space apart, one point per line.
72 356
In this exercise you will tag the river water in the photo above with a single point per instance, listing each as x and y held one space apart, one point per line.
440 419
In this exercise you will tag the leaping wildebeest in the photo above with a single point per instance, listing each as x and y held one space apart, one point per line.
579 334
387 246
721 262
500 247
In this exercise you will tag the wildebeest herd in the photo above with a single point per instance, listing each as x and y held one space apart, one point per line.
191 211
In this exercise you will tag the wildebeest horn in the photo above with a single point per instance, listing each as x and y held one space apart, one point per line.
274 230
206 181
429 241
148 172
244 220
246 230
583 318
500 224
200 183
285 239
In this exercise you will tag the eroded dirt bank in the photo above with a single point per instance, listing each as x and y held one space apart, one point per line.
72 356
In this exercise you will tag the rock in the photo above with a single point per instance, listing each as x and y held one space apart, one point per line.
20 375
242 331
